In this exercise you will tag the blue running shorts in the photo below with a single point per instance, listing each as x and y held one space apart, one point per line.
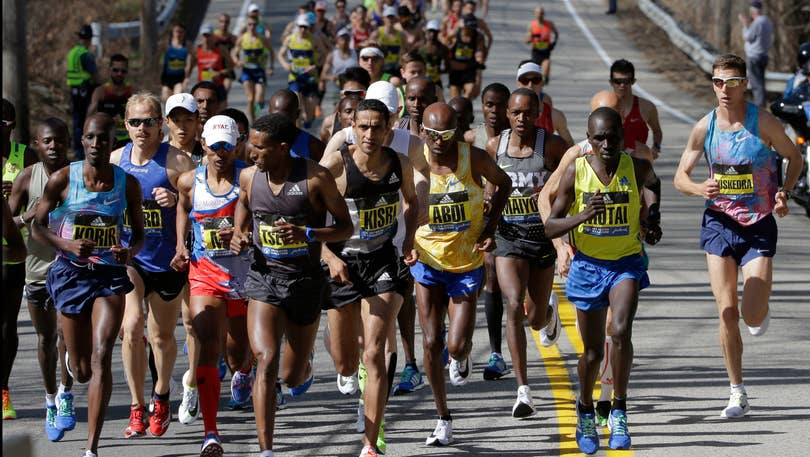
75 286
591 280
723 236
455 284
256 75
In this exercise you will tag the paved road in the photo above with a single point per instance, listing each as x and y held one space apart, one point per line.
678 386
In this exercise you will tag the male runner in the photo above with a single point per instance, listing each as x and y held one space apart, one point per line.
353 81
183 120
601 195
287 199
223 37
371 60
306 145
464 114
538 36
88 280
523 255
52 141
494 99
420 92
112 96
156 166
436 56
529 75
640 115
176 65
209 101
254 50
449 271
207 200
306 55
467 56
738 229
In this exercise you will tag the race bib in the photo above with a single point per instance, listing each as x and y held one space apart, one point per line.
378 216
103 230
450 212
734 180
464 53
208 74
176 65
210 233
521 209
273 245
614 221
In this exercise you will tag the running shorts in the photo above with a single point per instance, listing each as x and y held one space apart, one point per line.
75 286
723 236
167 284
371 274
590 280
455 284
299 295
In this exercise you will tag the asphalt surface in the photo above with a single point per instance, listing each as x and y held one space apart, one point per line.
678 386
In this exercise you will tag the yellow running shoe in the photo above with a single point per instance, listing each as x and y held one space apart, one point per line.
8 408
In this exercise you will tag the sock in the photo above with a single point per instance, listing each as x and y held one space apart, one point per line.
447 418
413 365
493 308
208 385
620 404
161 397
267 453
738 387
247 369
606 375
585 409
50 399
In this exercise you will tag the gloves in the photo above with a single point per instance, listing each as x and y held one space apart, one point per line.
652 227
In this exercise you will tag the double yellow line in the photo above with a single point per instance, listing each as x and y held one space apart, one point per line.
562 388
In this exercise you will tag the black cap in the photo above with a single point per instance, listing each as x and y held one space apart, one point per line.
470 20
85 31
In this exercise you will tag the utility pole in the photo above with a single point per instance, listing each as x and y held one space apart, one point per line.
149 34
723 25
15 65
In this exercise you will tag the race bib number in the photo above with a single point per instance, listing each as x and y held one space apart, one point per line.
521 209
450 212
613 222
177 65
464 53
210 233
103 230
378 216
273 245
208 74
734 180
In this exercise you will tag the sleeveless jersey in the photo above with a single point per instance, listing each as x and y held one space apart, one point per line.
544 120
464 52
433 64
373 205
174 60
541 35
744 168
635 129
40 256
455 219
340 64
208 63
160 235
13 166
302 53
211 212
390 45
520 218
115 105
360 35
292 205
221 39
615 233
253 52
97 216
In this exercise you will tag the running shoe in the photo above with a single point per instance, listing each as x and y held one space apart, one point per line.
524 406
8 408
189 408
737 405
763 327
381 438
172 389
602 412
360 426
459 371
51 431
587 439
347 385
66 414
496 367
410 380
281 402
297 391
136 425
89 453
241 389
222 367
369 451
617 424
551 332
160 418
212 446
442 435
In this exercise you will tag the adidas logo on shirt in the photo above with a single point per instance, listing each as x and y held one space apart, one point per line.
97 222
295 190
516 193
381 202
445 200
385 277
394 179
224 223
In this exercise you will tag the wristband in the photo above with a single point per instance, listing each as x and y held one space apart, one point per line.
310 233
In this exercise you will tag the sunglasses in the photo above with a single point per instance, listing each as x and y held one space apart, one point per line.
224 145
435 135
122 71
620 81
533 80
147 122
371 58
732 82
359 92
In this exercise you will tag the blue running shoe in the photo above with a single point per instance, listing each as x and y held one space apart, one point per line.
617 424
222 367
409 381
281 402
66 414
496 367
587 439
53 433
297 391
212 446
241 389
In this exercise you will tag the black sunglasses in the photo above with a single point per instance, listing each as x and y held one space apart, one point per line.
620 81
147 121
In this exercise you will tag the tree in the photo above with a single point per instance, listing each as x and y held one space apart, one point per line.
15 66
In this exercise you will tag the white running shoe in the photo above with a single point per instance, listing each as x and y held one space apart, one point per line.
442 434
347 385
361 417
737 405
459 371
524 406
190 404
551 332
763 327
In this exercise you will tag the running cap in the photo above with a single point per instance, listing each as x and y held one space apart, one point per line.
384 92
85 31
433 24
528 67
302 20
390 11
206 29
320 5
371 51
220 128
185 101
253 8
344 32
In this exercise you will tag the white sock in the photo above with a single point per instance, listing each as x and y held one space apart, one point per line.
738 387
50 399
62 389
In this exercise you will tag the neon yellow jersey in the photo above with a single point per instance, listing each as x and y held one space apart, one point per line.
303 55
391 45
13 166
455 219
615 233
253 52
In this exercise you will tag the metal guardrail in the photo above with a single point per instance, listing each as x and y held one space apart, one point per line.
696 49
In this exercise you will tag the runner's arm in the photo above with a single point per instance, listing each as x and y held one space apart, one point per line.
325 189
13 246
184 186
52 196
410 209
484 166
557 223
135 208
19 197
241 218
708 189
92 108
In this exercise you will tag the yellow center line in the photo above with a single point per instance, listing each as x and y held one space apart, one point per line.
560 380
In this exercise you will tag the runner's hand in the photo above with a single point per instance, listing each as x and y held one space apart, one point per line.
290 233
409 253
596 205
120 254
781 208
180 260
225 235
164 197
709 189
7 188
81 248
239 242
338 270
484 244
564 256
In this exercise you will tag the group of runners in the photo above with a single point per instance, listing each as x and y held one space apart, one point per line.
250 227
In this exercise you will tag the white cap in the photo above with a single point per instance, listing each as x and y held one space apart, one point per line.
253 7
528 67
302 20
320 5
371 51
206 29
220 128
344 32
384 92
390 11
185 101
433 24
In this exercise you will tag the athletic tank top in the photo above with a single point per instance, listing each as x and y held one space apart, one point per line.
615 233
160 234
360 35
433 64
541 35
208 63
221 39
544 120
292 205
40 256
744 168
97 216
209 213
252 52
520 218
481 137
390 45
455 219
13 166
174 60
464 52
300 147
115 105
302 53
341 64
373 205
635 129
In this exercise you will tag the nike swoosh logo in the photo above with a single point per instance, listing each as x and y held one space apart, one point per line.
109 202
741 138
